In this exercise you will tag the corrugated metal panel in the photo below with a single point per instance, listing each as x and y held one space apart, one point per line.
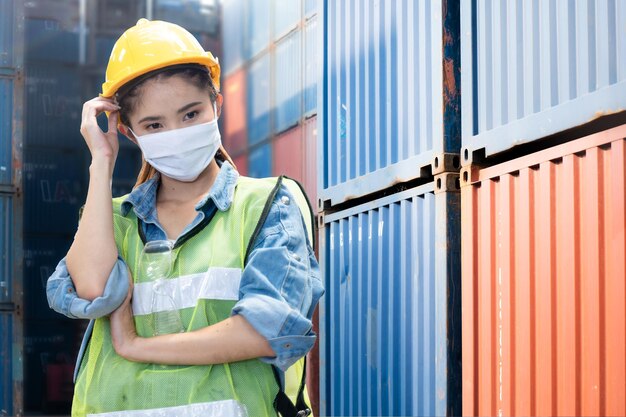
287 15
310 7
6 365
310 159
233 30
544 291
54 189
383 93
48 343
390 319
6 34
41 255
260 161
531 69
6 130
235 132
310 66
257 38
193 15
11 203
288 81
242 164
127 165
48 41
258 113
54 106
104 46
6 247
288 154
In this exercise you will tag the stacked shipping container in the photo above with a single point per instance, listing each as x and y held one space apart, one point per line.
11 265
269 83
543 232
390 117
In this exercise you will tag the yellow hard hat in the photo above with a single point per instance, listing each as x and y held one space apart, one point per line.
151 45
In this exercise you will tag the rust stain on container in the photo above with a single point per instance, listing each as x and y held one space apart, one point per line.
544 272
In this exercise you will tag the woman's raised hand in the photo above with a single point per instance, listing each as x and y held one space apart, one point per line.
102 145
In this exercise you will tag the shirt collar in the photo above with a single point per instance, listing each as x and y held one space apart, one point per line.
143 198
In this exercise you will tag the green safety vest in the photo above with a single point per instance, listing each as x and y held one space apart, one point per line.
207 268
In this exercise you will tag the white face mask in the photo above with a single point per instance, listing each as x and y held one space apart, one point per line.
182 154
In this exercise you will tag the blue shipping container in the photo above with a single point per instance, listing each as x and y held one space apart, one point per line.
233 35
53 106
310 67
390 328
310 7
6 131
389 108
54 191
41 256
257 35
6 33
260 161
258 104
535 68
288 82
48 42
287 15
6 248
6 363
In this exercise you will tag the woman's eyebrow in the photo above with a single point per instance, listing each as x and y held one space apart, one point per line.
181 110
188 106
149 119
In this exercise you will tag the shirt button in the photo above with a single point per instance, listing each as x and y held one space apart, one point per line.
285 200
296 257
287 345
69 290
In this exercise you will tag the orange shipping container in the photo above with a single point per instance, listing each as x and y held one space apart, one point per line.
234 129
287 158
544 294
310 159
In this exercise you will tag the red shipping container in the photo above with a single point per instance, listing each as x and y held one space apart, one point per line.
287 158
241 162
544 271
234 135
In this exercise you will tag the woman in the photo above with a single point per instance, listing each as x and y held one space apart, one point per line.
242 267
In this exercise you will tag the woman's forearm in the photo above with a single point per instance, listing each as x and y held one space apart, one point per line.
93 252
231 340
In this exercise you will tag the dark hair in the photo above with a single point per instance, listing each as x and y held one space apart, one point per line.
129 94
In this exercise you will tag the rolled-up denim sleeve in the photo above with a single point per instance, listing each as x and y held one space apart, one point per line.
63 299
281 283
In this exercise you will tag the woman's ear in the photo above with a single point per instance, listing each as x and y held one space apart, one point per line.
124 130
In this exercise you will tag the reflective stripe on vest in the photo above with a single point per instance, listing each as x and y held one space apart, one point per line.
215 284
226 408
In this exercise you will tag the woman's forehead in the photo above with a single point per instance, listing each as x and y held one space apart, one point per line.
168 94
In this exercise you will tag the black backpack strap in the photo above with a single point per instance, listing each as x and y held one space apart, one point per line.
283 405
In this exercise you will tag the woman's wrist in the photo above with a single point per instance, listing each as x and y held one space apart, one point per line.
102 165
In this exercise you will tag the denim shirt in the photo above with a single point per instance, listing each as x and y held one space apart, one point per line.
280 284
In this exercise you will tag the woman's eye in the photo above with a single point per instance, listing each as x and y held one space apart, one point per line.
153 126
191 115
